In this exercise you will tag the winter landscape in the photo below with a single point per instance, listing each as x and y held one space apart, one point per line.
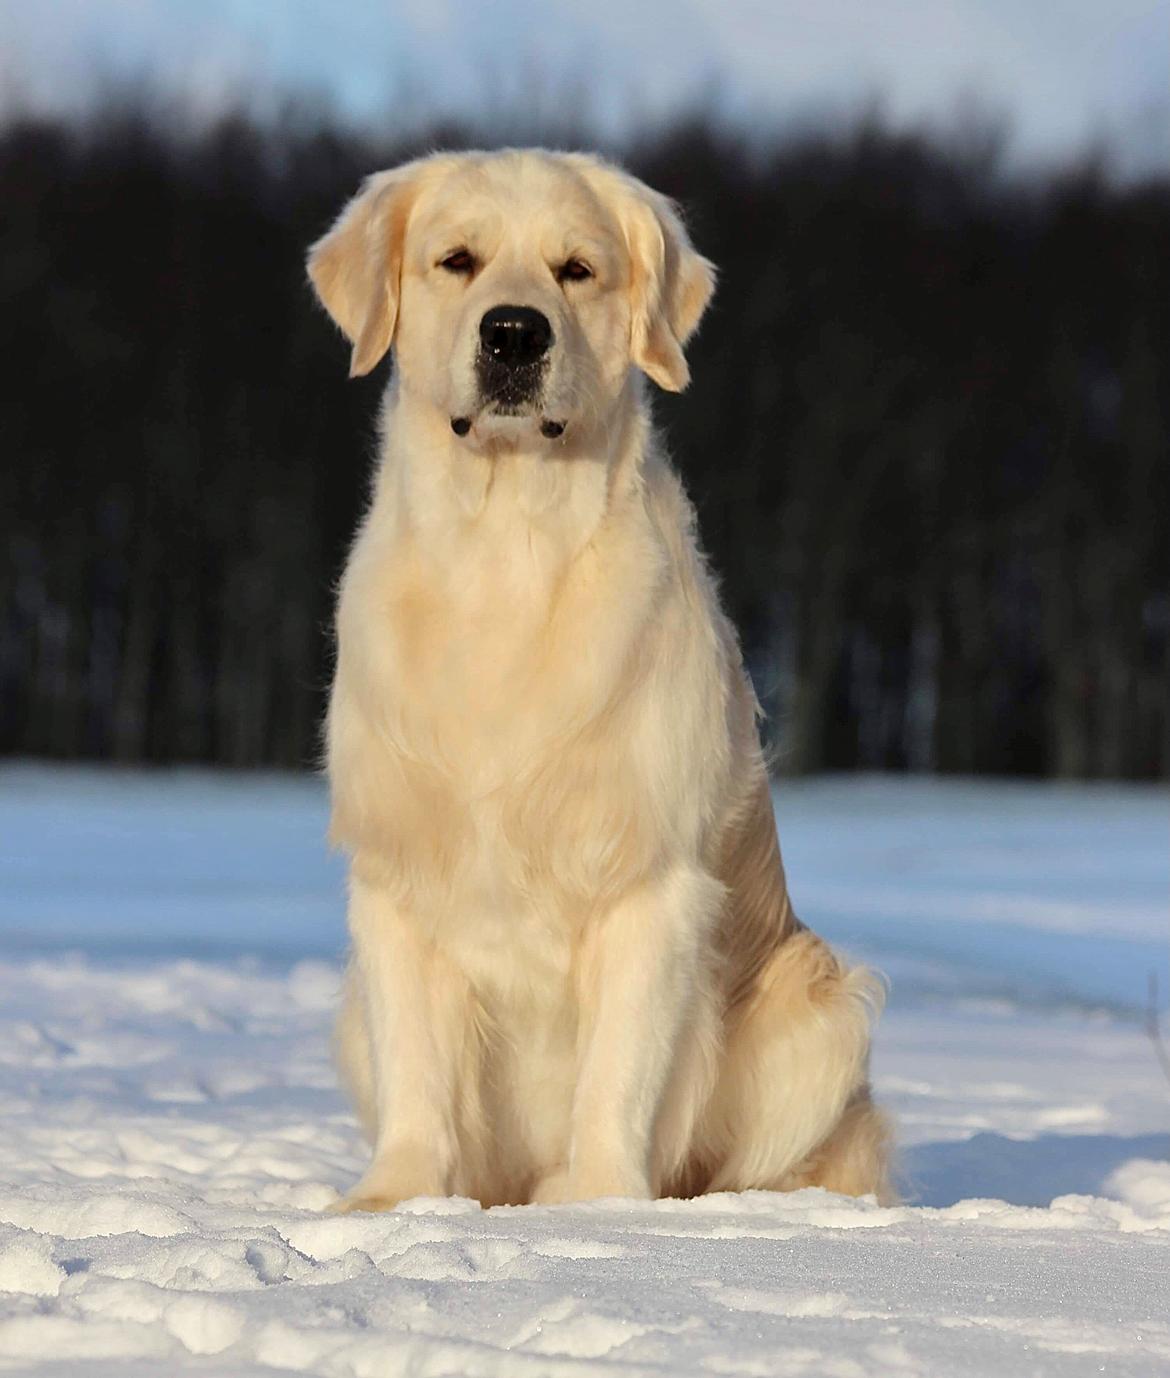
171 1133
925 440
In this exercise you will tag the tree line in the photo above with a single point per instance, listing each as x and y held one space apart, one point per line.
927 439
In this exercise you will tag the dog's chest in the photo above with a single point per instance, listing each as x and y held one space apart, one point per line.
489 734
465 667
487 672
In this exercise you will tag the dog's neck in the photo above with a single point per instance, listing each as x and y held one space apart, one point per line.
543 500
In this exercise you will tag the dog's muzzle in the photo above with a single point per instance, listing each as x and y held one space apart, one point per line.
514 342
510 366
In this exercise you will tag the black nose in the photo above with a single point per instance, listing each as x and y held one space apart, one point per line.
515 335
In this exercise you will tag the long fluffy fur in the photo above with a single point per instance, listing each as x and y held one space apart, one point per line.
576 970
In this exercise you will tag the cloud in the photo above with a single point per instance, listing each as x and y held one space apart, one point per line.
1062 70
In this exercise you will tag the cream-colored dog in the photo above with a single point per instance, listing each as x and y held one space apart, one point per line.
575 969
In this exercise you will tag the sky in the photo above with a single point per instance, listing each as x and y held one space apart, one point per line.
1064 73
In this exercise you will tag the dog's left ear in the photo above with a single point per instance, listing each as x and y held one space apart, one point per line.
356 269
671 283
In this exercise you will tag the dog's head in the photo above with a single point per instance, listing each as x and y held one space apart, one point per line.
517 289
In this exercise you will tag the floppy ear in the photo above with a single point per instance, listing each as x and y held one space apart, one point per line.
670 283
671 287
356 269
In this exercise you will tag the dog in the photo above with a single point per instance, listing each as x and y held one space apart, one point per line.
575 971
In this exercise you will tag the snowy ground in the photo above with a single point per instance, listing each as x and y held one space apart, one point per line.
170 1128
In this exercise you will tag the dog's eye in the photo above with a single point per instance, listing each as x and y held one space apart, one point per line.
574 271
461 262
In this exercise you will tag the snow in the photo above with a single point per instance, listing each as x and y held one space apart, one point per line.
171 1131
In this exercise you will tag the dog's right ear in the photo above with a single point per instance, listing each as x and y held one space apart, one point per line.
356 269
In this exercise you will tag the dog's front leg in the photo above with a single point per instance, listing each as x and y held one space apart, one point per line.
415 1009
638 980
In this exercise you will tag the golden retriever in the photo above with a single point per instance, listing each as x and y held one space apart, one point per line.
575 970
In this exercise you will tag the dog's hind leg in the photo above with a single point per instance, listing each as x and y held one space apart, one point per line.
855 1159
792 1106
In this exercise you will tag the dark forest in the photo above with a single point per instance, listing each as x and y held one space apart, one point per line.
926 437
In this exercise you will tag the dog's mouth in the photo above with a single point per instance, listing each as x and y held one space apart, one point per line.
550 428
512 397
511 389
510 400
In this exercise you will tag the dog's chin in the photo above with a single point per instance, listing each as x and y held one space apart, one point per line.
497 429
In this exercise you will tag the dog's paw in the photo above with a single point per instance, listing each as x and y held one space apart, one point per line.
553 1189
396 1176
363 1201
589 1183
